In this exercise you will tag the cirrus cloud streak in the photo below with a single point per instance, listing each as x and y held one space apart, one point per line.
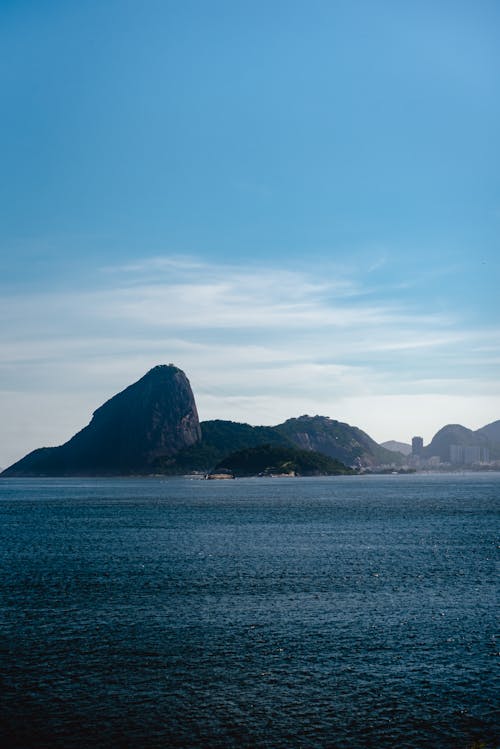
258 343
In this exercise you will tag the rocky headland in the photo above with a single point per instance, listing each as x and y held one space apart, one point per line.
152 427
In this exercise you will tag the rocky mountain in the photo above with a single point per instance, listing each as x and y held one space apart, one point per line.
153 419
397 447
152 427
338 440
457 435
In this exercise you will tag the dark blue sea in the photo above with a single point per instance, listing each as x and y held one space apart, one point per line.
337 612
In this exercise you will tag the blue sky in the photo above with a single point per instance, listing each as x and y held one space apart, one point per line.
295 202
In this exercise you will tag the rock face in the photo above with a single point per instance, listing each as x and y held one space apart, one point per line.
336 439
152 419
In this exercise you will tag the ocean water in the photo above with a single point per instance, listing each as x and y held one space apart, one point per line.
330 612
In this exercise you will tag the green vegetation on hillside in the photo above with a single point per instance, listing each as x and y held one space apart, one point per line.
152 427
220 438
269 460
346 443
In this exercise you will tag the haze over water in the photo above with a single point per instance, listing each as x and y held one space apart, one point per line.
330 612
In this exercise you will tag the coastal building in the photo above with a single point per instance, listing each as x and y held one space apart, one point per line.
417 446
456 455
468 455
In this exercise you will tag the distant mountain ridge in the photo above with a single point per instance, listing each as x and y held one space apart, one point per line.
491 432
152 427
488 437
397 447
336 439
349 445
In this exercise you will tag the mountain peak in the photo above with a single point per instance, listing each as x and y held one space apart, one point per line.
154 418
336 439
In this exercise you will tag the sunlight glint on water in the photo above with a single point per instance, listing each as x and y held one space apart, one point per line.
340 612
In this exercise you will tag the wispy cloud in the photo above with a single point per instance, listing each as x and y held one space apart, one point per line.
155 264
259 343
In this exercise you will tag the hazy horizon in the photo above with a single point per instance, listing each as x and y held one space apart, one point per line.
215 416
296 204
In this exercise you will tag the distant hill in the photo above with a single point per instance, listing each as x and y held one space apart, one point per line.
152 427
397 447
491 432
271 460
456 434
338 440
154 418
219 439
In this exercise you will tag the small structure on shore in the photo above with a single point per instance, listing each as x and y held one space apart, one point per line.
220 474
